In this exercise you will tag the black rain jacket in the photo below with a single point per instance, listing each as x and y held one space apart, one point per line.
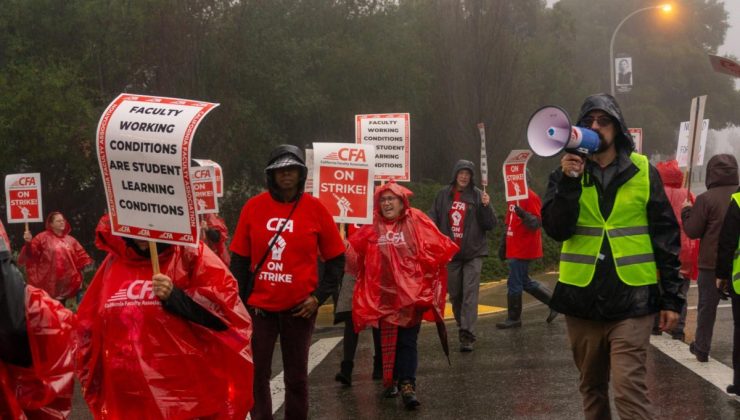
607 298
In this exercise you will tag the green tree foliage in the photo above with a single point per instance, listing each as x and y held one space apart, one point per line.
298 71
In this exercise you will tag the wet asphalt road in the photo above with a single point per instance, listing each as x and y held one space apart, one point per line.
525 373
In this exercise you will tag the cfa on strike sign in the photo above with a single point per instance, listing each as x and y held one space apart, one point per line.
219 174
143 145
204 188
343 180
515 175
23 195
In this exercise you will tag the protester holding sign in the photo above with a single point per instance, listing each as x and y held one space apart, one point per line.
523 243
703 220
399 262
462 212
174 344
275 250
36 363
54 259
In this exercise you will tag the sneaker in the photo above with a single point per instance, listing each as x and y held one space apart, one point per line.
700 355
466 347
408 394
678 335
656 331
733 389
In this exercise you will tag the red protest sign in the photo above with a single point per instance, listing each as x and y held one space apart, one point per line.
219 174
515 179
343 180
204 189
23 195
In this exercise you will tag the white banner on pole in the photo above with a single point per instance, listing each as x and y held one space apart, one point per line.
143 145
683 152
391 136
483 156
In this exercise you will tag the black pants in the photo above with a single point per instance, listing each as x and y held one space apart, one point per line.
735 336
349 345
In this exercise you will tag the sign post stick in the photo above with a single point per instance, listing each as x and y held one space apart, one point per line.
154 256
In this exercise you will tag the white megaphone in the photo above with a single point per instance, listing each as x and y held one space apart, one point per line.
550 131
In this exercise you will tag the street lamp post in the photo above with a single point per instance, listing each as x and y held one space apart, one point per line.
665 7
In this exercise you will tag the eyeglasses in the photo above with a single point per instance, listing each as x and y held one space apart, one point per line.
603 121
388 199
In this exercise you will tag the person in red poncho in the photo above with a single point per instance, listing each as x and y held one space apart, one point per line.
215 234
672 178
400 263
36 370
54 259
174 345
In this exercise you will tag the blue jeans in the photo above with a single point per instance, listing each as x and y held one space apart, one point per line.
407 357
519 280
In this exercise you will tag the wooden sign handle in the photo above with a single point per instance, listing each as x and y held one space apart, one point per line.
154 256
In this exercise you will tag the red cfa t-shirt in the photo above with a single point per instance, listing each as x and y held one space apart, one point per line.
457 218
289 273
521 242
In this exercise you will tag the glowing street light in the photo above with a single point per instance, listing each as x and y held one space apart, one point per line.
666 8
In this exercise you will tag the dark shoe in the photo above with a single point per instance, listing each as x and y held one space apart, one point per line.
408 394
656 331
466 347
391 392
733 389
514 303
700 355
377 367
345 373
678 335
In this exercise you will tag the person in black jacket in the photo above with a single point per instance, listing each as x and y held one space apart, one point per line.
728 252
607 287
463 213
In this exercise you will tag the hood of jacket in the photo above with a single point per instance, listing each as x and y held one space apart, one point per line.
607 103
290 155
721 171
67 228
400 191
670 173
459 166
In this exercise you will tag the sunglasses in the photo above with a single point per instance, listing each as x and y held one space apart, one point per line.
603 121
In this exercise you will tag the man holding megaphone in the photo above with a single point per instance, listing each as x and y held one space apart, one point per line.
619 260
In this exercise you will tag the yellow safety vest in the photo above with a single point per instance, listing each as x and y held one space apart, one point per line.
626 230
736 262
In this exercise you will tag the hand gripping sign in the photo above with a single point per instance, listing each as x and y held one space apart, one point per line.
391 135
204 188
23 195
515 175
343 176
219 174
143 145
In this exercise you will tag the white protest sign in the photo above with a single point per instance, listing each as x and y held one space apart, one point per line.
483 155
682 151
636 134
219 174
204 187
515 179
143 147
724 65
391 136
343 176
23 198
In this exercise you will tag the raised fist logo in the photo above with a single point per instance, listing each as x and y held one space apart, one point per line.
456 217
25 212
344 205
201 204
278 248
517 189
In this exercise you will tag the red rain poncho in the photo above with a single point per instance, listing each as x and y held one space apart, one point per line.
673 183
136 360
215 222
53 263
399 283
42 390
